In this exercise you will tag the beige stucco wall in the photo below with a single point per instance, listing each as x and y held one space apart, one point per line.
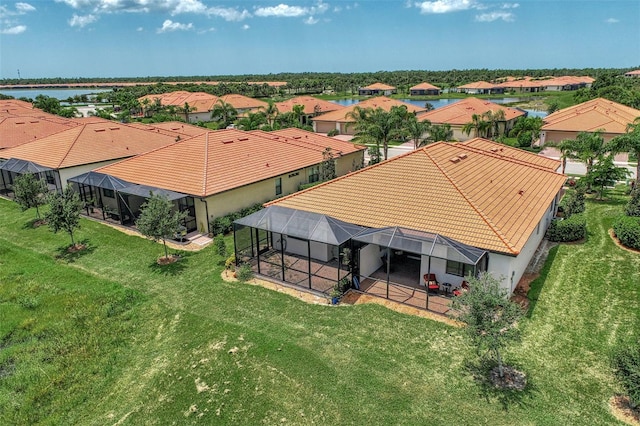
345 164
70 172
324 126
547 136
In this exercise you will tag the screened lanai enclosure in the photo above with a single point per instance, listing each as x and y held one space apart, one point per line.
14 167
316 251
111 199
302 248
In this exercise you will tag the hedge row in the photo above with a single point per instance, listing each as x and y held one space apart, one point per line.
627 229
224 224
573 228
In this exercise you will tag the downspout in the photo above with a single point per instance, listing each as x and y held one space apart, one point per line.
206 209
426 284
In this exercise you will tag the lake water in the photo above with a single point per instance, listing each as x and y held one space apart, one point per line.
60 94
439 103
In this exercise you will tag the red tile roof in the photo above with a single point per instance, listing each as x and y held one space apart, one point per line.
479 85
425 86
198 101
377 102
507 151
16 130
313 140
87 144
461 112
476 197
596 114
243 102
175 128
378 86
219 161
311 105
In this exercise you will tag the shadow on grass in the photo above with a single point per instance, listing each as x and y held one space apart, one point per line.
65 253
174 268
480 370
34 223
536 285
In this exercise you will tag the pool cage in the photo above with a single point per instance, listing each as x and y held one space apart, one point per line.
302 248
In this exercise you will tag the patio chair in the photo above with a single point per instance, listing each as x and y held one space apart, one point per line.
431 282
464 287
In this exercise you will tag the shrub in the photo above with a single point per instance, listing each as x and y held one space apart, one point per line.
333 132
573 202
633 206
224 224
524 138
221 247
230 263
244 272
627 229
572 228
626 365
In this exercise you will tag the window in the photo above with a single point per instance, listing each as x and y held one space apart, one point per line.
108 193
49 177
458 268
278 186
314 174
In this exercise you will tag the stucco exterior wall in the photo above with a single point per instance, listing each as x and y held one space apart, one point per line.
345 164
324 126
70 172
547 136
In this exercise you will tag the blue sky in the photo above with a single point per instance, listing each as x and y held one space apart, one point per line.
137 38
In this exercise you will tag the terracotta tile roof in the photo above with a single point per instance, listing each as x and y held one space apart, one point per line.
216 161
526 82
15 107
313 140
243 102
198 101
507 151
566 80
16 130
479 85
424 86
378 86
476 197
460 113
377 102
175 128
88 143
596 114
311 105
633 73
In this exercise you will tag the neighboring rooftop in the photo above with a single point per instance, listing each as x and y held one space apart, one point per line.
424 86
476 197
175 128
374 103
311 105
218 161
198 101
596 114
507 151
313 140
17 130
241 102
461 112
88 143
378 86
479 85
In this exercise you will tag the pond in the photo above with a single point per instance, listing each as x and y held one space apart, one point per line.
439 103
60 94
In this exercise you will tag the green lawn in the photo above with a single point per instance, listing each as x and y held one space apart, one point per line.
106 336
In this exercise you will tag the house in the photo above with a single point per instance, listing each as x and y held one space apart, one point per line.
423 89
244 104
16 107
79 149
465 210
509 152
311 107
481 88
199 104
611 118
377 89
341 121
635 73
460 113
568 82
522 85
178 129
219 172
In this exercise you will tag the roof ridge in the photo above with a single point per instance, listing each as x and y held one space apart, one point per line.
205 174
508 158
491 225
81 128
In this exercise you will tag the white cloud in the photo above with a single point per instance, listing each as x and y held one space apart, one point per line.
245 27
24 8
18 29
208 30
310 20
82 21
281 10
510 6
494 16
189 6
139 29
168 26
612 21
228 14
445 6
286 11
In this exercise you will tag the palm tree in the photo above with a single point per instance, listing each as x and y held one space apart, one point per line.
440 132
566 147
494 118
527 124
224 114
375 126
417 131
271 112
587 147
298 113
478 125
253 121
629 142
186 109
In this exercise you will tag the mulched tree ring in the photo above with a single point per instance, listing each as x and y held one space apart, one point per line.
74 248
622 410
38 223
512 379
172 258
